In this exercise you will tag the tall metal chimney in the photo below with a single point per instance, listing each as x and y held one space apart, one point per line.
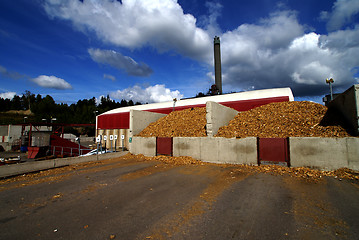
217 64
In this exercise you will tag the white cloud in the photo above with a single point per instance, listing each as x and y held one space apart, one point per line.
133 24
8 95
277 51
151 94
343 11
117 60
108 76
51 82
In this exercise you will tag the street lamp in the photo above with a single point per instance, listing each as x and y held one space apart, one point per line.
97 142
174 104
330 82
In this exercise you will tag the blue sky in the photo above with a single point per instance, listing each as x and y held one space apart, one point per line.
152 51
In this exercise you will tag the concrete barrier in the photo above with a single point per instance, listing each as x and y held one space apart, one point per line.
217 116
314 152
324 153
187 146
139 120
238 151
27 167
143 145
209 149
347 104
217 150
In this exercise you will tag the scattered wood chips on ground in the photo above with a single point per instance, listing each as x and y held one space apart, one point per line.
298 172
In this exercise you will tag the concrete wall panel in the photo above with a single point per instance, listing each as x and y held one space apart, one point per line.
238 151
353 153
209 149
348 104
322 153
187 146
139 120
218 116
142 145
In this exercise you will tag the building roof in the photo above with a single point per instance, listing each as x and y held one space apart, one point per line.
248 95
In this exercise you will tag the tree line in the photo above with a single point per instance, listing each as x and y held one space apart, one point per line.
45 109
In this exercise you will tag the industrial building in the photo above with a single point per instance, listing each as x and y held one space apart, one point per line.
116 122
113 127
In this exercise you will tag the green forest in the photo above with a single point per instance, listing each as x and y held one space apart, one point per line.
38 109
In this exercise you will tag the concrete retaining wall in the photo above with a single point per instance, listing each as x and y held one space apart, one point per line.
21 168
142 145
139 120
324 153
347 104
215 150
218 116
319 153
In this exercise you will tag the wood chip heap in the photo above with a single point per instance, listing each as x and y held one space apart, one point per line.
282 119
186 123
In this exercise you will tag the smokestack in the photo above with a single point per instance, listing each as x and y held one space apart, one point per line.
217 64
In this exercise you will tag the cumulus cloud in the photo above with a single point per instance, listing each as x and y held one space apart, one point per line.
108 76
151 94
117 60
52 82
8 95
342 12
133 24
276 51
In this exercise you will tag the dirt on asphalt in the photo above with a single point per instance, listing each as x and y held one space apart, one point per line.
136 197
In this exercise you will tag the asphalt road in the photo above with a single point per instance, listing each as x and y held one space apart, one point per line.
130 199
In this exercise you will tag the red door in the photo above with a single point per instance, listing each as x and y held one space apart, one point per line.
273 151
164 146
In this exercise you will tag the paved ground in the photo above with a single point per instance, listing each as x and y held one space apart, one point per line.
126 198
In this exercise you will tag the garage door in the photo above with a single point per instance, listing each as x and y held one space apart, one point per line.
273 151
164 146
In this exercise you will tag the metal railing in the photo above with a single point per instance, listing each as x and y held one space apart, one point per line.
68 151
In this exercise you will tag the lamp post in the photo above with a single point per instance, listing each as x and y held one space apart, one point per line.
98 141
330 82
174 104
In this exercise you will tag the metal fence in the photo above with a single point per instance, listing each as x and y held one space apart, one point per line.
68 151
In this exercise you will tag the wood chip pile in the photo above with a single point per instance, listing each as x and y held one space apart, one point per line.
186 123
282 119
